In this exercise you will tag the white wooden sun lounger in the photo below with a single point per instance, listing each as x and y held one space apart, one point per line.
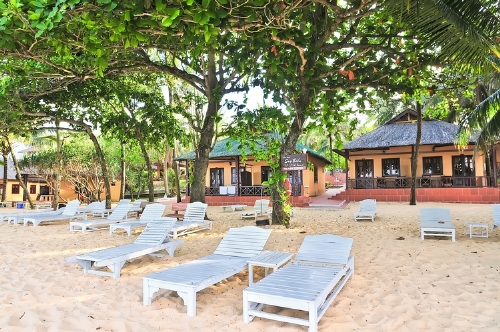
68 213
91 208
151 212
106 212
229 258
260 207
367 210
436 222
496 215
311 283
193 220
119 214
152 239
15 217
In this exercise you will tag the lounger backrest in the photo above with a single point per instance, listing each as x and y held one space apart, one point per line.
325 248
71 208
152 212
137 203
94 206
123 201
245 241
195 212
119 212
156 232
231 190
434 215
222 190
496 213
368 205
261 204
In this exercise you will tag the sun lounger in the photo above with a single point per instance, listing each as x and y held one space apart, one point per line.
15 217
496 215
152 239
69 213
91 208
151 212
229 258
193 220
311 283
436 222
119 213
260 207
106 212
367 210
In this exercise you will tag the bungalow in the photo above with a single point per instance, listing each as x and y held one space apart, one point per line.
230 180
380 164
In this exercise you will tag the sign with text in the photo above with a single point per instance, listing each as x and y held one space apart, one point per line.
293 162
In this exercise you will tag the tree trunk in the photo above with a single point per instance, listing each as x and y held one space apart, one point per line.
102 162
414 157
123 175
5 174
175 166
57 184
206 133
151 187
18 172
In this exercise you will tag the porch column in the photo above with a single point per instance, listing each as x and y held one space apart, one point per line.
347 170
188 188
494 153
238 191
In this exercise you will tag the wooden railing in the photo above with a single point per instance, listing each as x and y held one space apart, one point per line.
422 182
249 191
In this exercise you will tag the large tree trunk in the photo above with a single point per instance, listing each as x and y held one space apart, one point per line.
279 216
414 157
206 133
18 172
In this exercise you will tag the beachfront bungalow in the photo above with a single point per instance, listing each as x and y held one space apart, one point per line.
225 187
380 164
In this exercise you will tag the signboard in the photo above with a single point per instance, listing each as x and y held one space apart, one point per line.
293 162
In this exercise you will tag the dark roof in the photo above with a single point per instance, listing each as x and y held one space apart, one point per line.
403 134
229 147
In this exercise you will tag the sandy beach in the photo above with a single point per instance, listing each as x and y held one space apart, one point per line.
400 283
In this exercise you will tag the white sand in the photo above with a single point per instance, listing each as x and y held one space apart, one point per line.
400 285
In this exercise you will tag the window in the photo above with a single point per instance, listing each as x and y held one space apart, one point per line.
433 166
364 168
33 189
15 189
390 167
315 174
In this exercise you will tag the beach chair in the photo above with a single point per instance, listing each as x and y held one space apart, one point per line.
367 210
193 220
91 208
152 239
137 206
436 222
222 190
230 258
68 212
310 283
151 212
496 215
106 212
15 217
119 213
260 207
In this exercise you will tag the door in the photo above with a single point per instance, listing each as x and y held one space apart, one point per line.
464 174
295 179
364 173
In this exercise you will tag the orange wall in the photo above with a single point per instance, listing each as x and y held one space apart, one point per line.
404 153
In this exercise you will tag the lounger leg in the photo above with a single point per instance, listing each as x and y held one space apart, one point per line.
116 269
189 298
147 292
246 305
313 318
452 235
